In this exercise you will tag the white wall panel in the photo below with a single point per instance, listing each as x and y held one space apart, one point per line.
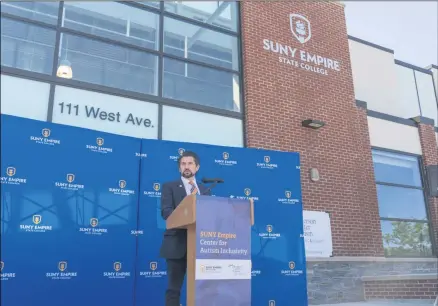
374 77
196 127
24 98
394 136
407 105
103 112
426 92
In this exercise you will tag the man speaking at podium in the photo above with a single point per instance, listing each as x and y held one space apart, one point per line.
174 245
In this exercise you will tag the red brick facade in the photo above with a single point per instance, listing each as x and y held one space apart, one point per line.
279 96
401 289
429 149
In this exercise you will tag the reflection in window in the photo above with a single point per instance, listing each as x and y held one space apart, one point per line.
40 11
200 85
109 65
113 20
26 46
402 205
217 13
396 168
400 202
406 238
200 44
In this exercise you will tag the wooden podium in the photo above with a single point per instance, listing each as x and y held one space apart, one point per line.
185 217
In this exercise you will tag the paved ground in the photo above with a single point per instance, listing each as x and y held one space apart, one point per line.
387 303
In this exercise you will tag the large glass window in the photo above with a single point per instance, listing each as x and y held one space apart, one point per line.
40 11
402 206
218 13
200 85
186 51
113 66
28 47
115 21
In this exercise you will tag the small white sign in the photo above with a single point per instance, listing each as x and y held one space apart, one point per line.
107 113
215 269
317 234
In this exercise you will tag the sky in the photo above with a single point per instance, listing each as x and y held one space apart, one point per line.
410 28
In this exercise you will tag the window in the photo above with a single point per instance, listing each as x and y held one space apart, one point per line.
105 64
218 13
115 21
200 85
28 47
39 11
402 205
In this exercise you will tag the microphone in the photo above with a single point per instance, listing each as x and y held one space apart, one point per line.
213 181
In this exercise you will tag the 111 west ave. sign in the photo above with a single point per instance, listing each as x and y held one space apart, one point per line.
302 32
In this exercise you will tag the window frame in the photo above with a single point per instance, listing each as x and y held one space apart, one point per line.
423 187
159 99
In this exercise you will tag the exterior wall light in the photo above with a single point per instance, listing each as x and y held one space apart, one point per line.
64 70
313 124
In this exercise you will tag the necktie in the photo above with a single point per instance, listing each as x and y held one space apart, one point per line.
193 190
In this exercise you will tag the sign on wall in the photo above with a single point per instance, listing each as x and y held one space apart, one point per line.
301 58
108 113
317 234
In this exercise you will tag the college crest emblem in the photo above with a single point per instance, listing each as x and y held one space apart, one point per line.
122 184
267 159
181 151
94 222
70 178
62 266
225 155
99 141
300 27
269 228
117 266
10 171
45 133
288 194
291 265
156 186
2 265
36 219
153 265
247 192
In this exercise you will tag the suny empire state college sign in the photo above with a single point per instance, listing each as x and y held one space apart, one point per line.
300 28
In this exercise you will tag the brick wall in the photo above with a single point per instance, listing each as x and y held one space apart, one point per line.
279 96
401 289
429 149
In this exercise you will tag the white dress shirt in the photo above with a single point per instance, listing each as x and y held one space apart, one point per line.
187 185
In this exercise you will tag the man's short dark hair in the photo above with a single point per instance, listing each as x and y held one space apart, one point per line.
189 154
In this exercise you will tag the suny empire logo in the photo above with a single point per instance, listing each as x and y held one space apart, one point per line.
225 161
154 271
270 233
122 189
10 177
271 303
287 199
291 271
266 164
36 227
70 178
98 147
46 140
94 228
247 192
154 192
300 27
5 276
180 153
116 273
62 273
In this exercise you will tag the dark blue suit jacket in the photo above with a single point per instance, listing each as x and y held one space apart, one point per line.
174 245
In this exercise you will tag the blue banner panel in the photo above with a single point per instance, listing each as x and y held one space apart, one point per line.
223 252
81 218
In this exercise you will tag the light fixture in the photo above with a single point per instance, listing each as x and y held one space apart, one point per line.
64 70
313 124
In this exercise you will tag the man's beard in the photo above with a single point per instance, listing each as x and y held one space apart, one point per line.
187 174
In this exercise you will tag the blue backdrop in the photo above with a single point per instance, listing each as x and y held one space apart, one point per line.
81 223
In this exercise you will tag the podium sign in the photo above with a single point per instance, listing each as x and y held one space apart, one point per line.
223 252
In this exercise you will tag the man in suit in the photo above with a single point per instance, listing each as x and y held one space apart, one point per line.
174 245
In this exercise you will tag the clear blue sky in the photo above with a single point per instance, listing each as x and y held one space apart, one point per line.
410 28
